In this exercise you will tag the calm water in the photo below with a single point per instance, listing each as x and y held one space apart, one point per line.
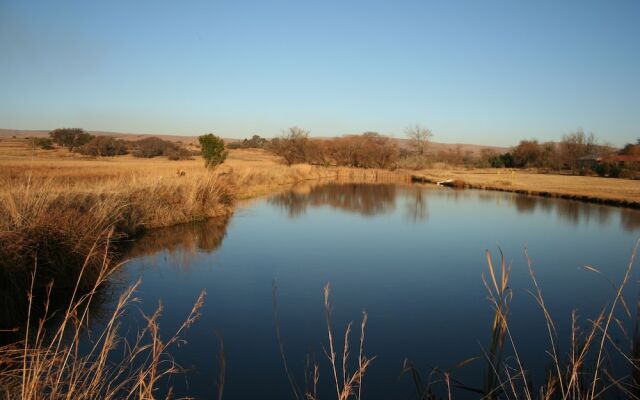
411 256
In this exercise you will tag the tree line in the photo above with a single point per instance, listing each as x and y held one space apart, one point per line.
368 150
212 148
566 154
576 152
80 141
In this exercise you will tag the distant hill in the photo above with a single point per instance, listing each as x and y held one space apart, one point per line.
434 147
19 133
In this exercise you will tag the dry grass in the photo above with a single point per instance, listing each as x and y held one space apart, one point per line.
53 211
348 385
254 172
55 204
51 365
586 371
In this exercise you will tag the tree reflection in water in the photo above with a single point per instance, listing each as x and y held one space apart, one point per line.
416 204
365 199
629 219
369 199
181 241
375 199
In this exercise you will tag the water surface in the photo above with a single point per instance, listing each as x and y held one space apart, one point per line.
411 256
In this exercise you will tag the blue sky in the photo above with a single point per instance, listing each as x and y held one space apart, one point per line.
488 71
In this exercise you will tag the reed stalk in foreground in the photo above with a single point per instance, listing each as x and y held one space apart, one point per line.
52 365
585 372
348 385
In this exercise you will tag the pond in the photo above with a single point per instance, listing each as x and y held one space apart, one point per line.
411 256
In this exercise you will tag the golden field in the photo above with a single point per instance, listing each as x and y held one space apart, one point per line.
257 172
253 171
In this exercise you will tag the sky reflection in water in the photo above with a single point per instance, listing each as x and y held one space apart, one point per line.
411 256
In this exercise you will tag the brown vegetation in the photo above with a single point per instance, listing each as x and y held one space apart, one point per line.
295 147
53 207
54 214
52 365
369 150
104 146
584 371
348 385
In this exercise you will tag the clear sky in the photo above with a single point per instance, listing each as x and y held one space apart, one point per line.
474 71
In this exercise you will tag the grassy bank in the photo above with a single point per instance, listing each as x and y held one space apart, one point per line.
57 225
619 192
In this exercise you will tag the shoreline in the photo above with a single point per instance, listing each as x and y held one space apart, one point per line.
536 193
52 193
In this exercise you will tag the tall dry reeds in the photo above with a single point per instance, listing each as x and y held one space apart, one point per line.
348 384
51 363
56 224
55 364
601 360
130 202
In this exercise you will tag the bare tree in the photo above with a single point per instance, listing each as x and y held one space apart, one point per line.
419 138
295 146
368 150
527 154
576 145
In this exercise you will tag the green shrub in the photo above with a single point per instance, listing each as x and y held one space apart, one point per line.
213 150
610 169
